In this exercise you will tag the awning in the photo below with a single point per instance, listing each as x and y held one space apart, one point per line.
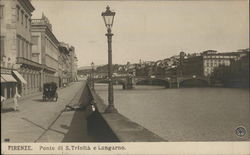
2 80
20 77
8 78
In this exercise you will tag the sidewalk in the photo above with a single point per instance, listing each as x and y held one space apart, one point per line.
27 97
35 117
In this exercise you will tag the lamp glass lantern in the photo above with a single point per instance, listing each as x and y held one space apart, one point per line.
108 17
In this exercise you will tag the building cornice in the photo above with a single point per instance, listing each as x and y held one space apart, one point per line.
26 4
51 57
52 36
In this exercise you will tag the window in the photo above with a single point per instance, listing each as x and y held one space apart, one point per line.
18 47
2 46
22 17
1 11
27 50
26 21
29 27
17 12
30 48
30 24
22 54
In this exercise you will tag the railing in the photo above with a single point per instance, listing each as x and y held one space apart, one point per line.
36 21
41 22
21 60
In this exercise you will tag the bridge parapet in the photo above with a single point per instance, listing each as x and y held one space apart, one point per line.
125 81
170 82
202 80
189 77
164 80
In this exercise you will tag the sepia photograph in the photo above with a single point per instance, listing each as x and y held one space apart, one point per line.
75 72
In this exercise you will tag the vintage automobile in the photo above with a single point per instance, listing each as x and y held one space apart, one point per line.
49 91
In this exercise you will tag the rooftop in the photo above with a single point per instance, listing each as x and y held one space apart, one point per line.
43 21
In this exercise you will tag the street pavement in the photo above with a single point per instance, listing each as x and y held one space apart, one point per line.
38 121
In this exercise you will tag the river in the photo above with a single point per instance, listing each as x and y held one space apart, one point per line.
186 114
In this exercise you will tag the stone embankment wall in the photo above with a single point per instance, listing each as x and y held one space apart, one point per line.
113 127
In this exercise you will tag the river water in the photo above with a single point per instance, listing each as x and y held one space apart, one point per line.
186 114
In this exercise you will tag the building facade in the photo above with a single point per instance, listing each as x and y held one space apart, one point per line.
64 64
30 52
16 45
204 63
45 49
73 63
212 59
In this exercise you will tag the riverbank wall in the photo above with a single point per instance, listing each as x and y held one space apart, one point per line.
113 127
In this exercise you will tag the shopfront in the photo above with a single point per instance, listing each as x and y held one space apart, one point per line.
8 84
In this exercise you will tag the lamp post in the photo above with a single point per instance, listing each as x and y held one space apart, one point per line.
108 17
92 76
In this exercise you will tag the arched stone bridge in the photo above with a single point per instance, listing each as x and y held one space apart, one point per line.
169 82
192 80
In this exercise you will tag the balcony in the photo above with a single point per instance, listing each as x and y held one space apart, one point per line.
21 60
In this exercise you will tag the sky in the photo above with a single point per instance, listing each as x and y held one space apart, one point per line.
147 30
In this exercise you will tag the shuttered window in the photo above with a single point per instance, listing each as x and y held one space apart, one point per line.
1 11
17 12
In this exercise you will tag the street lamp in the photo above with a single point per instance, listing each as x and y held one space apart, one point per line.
108 17
92 75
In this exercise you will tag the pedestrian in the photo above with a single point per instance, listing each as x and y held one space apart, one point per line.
17 95
2 101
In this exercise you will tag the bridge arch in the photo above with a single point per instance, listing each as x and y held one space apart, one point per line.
152 81
116 81
121 82
194 82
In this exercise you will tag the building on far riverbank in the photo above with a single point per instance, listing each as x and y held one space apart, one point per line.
212 59
205 63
